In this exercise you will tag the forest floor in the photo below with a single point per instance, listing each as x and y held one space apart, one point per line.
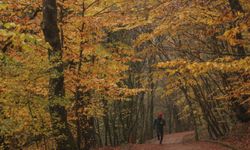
176 141
237 139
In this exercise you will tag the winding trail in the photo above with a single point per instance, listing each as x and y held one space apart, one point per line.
176 142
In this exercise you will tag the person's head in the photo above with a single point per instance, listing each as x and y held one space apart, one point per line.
160 115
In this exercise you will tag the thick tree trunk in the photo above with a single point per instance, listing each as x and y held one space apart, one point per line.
61 131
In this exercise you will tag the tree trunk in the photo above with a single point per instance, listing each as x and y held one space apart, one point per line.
191 111
89 133
151 102
58 114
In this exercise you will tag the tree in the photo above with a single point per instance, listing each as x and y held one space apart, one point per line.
114 64
64 138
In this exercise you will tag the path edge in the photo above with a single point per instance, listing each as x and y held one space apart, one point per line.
220 143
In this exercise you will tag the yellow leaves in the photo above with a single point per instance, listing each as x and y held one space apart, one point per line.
173 64
143 38
131 92
101 68
22 74
94 109
173 67
9 25
171 88
3 6
21 116
230 36
101 76
176 19
197 15
194 69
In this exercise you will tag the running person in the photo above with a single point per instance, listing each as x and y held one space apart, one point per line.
159 124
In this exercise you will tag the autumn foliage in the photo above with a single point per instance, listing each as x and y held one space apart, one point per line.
117 63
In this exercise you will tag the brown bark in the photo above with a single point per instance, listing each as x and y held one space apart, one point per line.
58 114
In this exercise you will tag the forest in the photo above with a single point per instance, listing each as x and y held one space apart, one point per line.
94 74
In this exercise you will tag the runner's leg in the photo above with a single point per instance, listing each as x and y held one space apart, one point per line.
158 134
161 137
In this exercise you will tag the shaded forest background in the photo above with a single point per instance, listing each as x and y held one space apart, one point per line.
78 74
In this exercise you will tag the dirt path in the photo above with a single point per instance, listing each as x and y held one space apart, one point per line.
175 138
176 142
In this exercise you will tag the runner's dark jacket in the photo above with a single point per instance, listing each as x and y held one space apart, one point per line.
159 123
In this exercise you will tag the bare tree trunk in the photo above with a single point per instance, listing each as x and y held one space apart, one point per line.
97 124
170 114
58 114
